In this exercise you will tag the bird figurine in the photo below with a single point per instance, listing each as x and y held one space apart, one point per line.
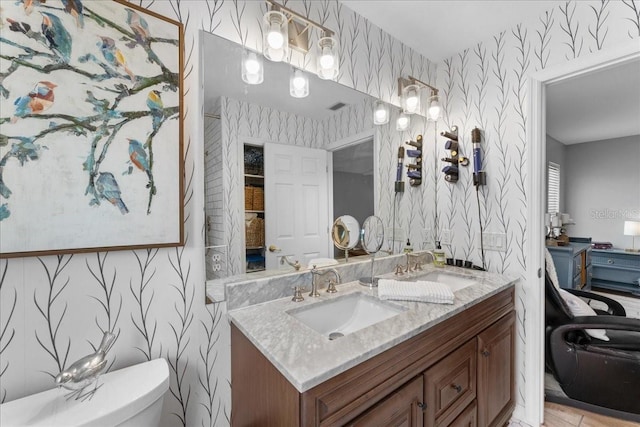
156 106
138 156
114 56
74 8
38 100
57 36
86 370
107 188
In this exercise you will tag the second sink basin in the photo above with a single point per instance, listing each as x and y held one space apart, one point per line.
345 314
454 281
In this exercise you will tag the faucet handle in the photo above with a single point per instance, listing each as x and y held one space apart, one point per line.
331 287
297 294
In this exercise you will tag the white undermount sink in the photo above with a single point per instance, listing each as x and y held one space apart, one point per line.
345 314
454 281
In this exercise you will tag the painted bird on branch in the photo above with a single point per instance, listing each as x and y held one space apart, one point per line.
38 100
114 56
139 157
57 36
85 371
107 187
156 106
74 8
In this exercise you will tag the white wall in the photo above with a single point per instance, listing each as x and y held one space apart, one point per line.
603 188
486 86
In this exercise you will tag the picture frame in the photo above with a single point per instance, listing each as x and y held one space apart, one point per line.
91 145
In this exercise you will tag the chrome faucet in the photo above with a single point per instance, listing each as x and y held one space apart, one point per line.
296 265
331 288
417 266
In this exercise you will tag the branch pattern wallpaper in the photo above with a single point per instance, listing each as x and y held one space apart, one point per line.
54 309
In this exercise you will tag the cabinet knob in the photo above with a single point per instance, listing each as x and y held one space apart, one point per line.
609 261
485 352
456 387
422 406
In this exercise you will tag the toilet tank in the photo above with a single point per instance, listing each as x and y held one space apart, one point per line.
130 396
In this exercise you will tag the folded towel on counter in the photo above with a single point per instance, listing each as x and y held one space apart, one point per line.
422 291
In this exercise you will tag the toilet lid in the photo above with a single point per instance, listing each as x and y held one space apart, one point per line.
123 394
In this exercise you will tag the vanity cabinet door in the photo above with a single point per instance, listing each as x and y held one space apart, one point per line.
403 408
468 418
496 372
450 385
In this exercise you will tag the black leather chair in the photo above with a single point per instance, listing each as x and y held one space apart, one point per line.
601 373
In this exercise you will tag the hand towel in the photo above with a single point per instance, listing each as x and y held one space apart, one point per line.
422 291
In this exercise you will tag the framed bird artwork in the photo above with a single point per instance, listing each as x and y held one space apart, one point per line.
91 115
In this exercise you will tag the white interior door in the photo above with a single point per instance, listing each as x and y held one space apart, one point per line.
296 209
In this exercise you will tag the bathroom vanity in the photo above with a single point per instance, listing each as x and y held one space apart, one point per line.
428 365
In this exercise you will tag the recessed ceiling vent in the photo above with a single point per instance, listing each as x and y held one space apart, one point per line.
337 106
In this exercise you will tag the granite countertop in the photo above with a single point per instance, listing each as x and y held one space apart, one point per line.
307 358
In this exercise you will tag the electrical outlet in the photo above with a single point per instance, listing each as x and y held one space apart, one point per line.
494 241
446 236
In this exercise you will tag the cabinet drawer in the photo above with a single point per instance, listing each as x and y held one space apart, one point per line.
450 385
631 261
468 418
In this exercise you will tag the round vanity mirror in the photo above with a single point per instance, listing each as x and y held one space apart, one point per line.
372 239
345 233
372 234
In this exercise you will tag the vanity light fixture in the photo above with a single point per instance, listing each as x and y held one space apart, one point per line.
409 93
380 113
403 121
275 31
252 67
283 29
298 84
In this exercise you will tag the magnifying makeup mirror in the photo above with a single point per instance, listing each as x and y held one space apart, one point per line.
372 237
345 234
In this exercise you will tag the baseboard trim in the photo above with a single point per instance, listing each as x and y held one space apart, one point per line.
551 396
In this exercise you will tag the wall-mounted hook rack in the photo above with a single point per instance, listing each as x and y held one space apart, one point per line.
452 170
414 169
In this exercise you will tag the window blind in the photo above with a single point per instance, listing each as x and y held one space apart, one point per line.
553 187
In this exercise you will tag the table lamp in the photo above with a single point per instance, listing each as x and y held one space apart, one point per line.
632 228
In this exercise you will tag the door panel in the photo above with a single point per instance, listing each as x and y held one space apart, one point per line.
296 218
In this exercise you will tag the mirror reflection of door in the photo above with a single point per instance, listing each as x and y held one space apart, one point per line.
353 186
296 206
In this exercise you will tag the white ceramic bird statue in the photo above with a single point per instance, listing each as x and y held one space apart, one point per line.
86 370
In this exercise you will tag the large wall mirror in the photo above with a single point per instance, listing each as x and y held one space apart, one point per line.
279 169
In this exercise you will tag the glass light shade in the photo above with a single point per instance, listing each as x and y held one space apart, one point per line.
275 45
252 68
327 58
298 84
403 121
380 113
434 108
411 99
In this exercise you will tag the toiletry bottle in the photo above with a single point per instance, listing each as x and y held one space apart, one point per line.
439 257
408 248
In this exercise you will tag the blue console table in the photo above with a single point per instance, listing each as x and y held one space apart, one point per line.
617 270
573 265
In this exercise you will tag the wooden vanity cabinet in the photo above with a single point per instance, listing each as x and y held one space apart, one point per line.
459 372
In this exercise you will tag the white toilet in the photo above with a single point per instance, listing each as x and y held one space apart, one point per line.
129 397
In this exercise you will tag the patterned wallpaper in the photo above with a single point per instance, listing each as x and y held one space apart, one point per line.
53 309
486 86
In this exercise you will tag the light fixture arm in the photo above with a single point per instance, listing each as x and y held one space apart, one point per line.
291 15
402 82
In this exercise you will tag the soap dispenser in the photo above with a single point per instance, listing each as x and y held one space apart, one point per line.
439 257
408 248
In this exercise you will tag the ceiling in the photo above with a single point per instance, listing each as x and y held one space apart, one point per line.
600 105
439 29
